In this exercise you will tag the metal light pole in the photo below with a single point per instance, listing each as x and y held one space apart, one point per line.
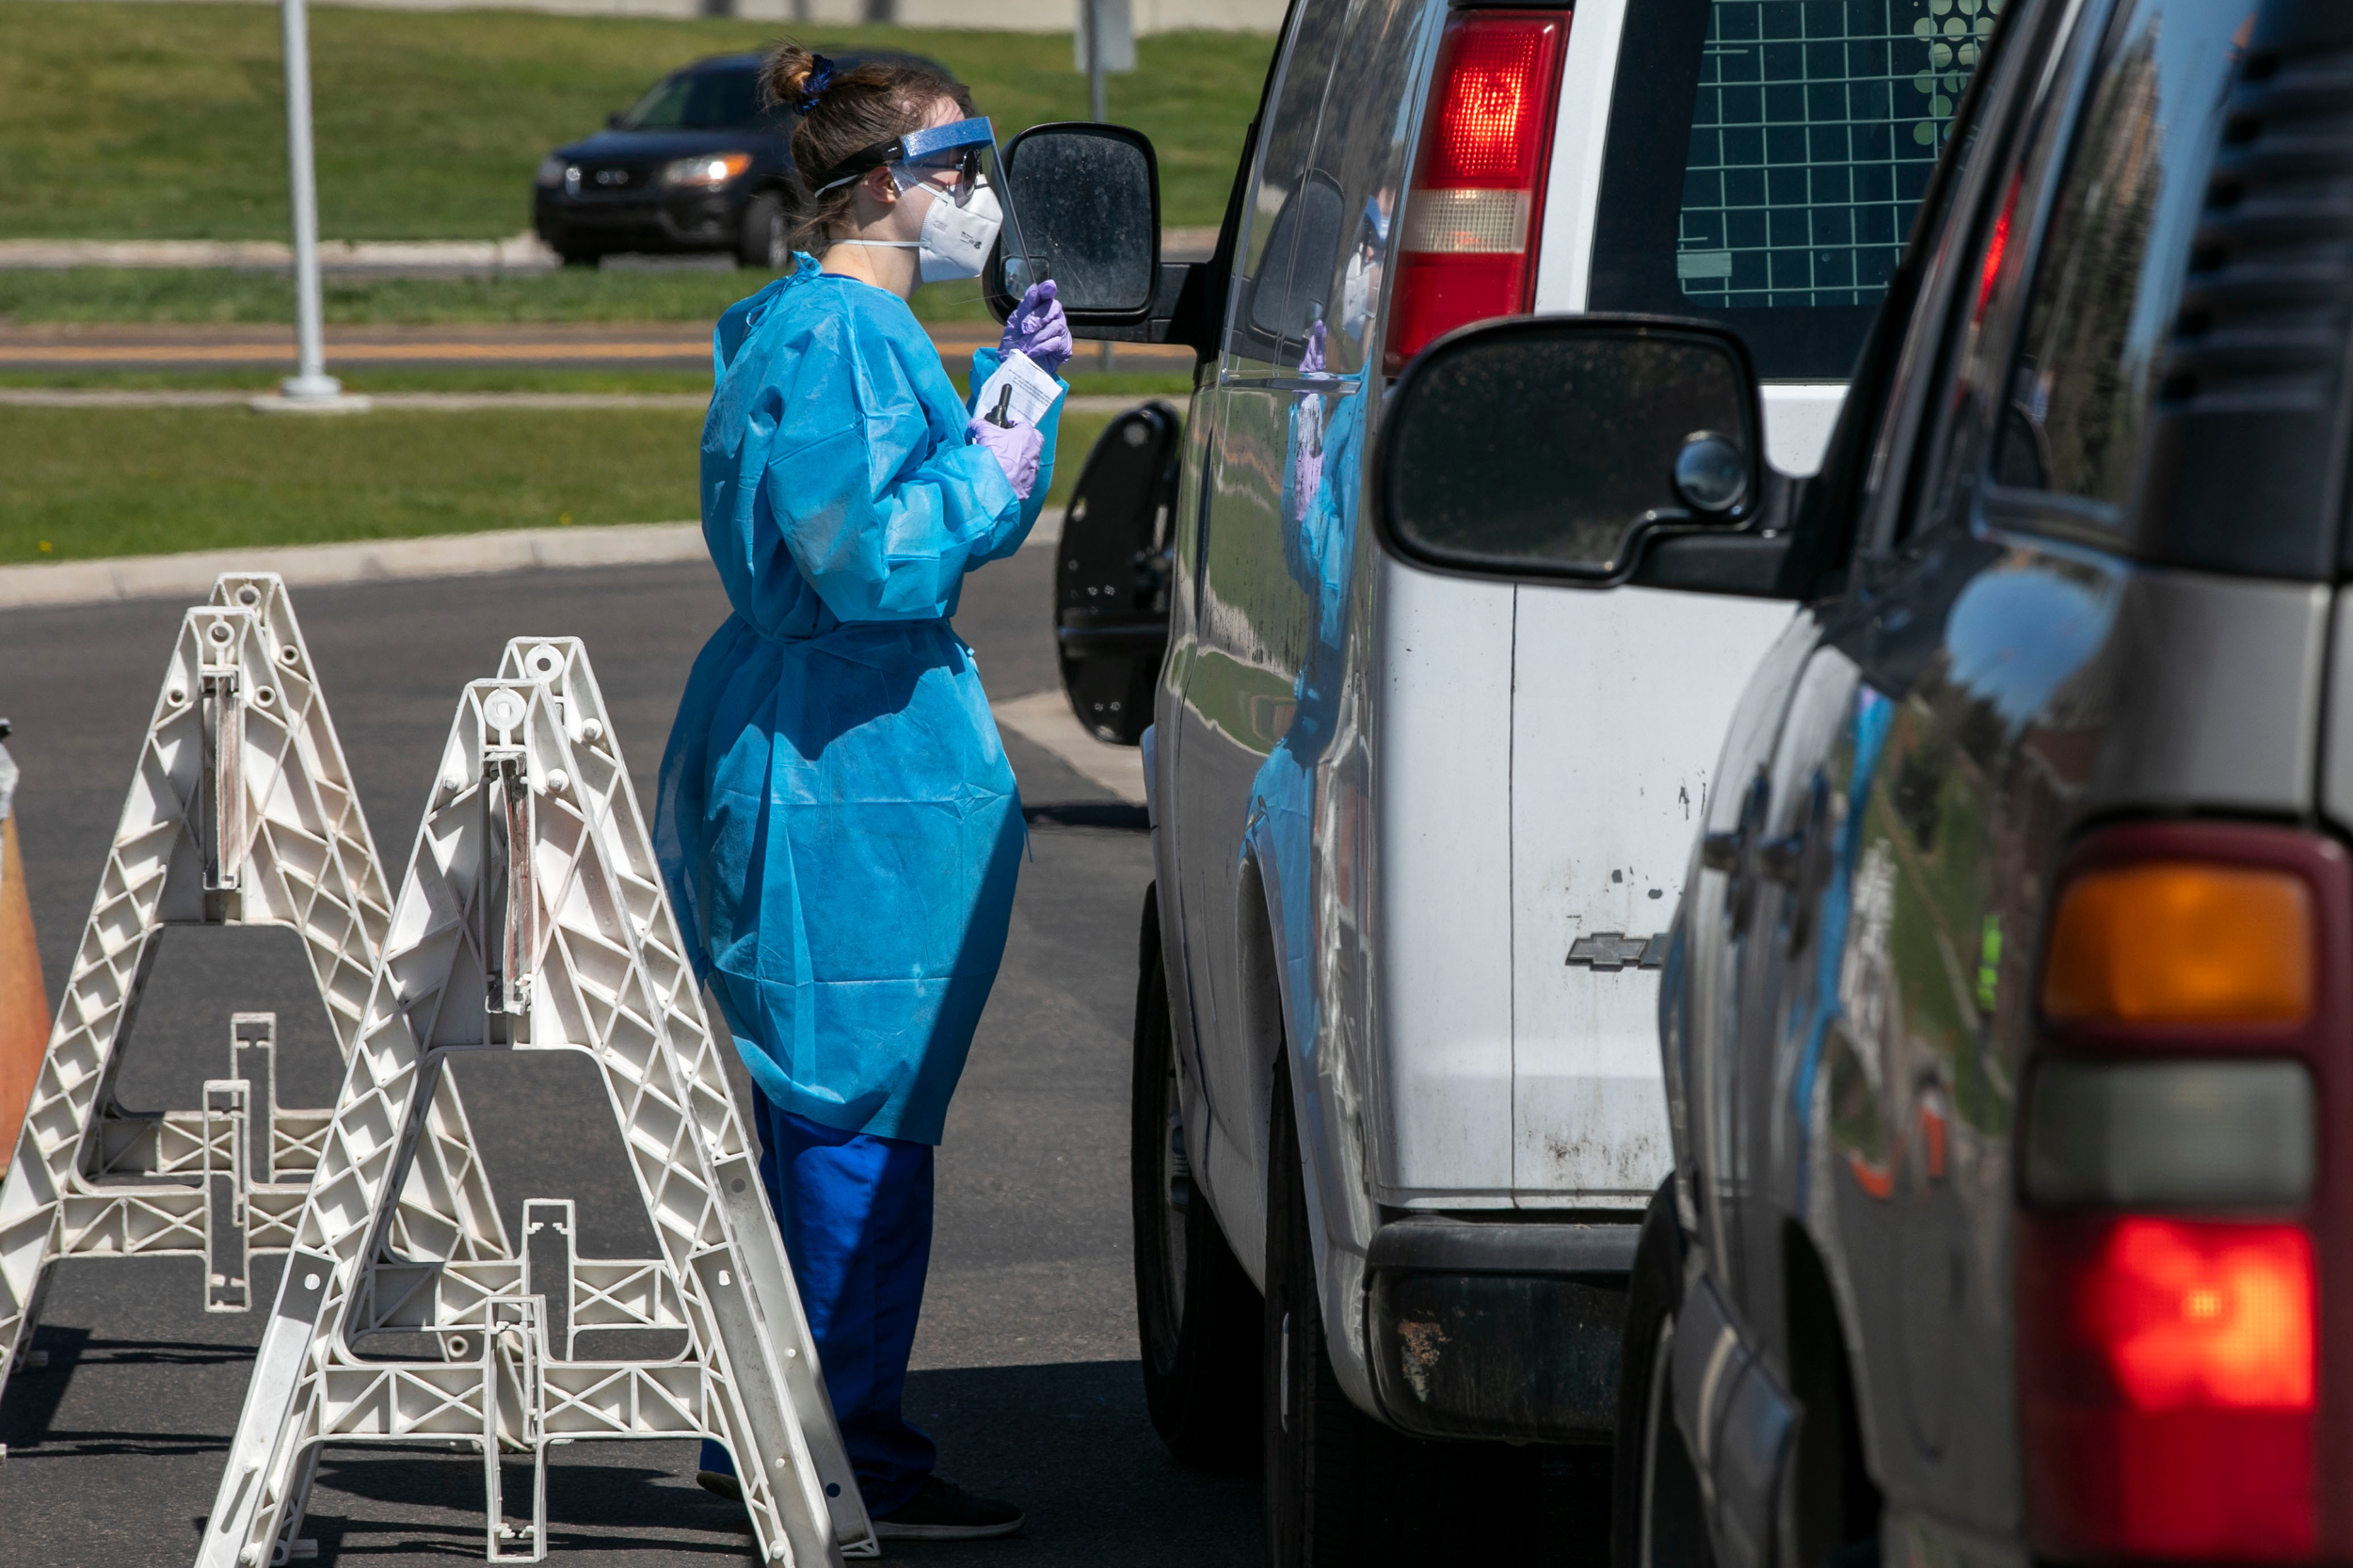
311 387
1095 60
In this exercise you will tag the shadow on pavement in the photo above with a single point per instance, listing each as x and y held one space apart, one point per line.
1072 1446
1068 1444
1090 813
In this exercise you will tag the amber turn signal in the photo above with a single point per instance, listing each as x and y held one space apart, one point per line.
2181 942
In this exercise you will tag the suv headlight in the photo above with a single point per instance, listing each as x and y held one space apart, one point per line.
550 172
706 170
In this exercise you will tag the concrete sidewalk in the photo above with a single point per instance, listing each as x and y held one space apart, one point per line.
447 402
305 566
515 255
191 576
654 346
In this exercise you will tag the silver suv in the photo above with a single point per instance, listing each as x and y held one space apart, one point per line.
2005 1018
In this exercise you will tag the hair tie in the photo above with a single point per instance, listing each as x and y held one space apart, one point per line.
813 87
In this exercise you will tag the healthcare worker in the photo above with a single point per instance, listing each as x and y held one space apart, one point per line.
837 822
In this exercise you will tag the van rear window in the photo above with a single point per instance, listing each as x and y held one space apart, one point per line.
1766 157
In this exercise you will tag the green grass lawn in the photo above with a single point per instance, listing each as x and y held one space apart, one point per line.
84 484
166 121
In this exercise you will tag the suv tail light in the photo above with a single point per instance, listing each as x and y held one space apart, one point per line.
1467 245
2176 1297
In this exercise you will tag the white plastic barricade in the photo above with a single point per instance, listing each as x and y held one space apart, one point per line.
533 919
240 812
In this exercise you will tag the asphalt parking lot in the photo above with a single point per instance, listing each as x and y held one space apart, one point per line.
1024 1370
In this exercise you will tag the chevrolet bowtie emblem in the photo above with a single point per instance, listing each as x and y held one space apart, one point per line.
1610 951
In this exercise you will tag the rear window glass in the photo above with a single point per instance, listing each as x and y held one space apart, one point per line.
1766 157
699 100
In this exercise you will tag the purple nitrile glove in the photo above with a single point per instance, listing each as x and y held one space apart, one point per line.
1038 329
1311 358
1015 447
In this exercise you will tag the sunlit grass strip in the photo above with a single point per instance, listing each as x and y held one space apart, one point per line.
81 485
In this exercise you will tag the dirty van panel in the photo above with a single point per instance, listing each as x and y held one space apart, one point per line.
1605 799
1442 851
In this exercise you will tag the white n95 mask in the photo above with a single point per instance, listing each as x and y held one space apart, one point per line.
956 239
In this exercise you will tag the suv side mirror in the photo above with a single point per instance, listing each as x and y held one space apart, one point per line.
1588 449
1088 198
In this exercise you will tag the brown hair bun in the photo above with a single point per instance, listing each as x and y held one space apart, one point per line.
843 112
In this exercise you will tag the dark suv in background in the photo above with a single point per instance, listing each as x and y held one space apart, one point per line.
698 165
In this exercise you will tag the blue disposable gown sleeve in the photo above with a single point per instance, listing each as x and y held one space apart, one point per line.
984 362
881 510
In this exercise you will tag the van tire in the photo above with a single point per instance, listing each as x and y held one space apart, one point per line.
1657 1516
1196 1312
1341 1488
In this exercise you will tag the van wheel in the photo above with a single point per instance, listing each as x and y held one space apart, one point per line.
1342 1488
1196 1312
1656 1515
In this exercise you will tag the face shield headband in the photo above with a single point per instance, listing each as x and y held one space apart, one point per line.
915 159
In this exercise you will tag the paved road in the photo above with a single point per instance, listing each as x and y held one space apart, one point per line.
1025 1365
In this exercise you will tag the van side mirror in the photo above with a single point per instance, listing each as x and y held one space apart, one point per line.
1590 449
1088 198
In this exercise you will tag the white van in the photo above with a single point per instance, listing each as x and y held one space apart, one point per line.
1398 1100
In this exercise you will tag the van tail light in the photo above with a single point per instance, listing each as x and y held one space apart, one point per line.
2179 1293
1467 246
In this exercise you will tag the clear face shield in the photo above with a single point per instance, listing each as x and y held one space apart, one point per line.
955 170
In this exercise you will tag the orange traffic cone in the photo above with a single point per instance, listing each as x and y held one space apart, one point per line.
23 999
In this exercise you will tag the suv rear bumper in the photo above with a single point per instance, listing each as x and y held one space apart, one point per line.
1499 1330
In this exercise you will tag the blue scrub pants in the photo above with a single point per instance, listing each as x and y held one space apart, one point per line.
856 1215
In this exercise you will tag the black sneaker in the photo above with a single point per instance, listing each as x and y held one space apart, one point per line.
945 1511
721 1485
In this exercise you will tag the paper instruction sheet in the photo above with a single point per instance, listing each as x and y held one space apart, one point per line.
1017 393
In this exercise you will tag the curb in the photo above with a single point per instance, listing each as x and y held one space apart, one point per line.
132 577
453 403
310 566
517 253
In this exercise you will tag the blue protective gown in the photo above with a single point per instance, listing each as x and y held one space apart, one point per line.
837 822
